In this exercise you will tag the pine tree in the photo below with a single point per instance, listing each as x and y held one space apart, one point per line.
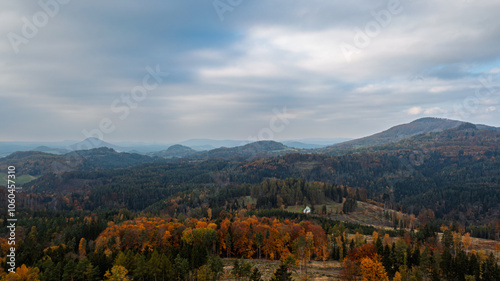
216 266
69 270
141 269
282 274
256 275
155 265
181 266
259 238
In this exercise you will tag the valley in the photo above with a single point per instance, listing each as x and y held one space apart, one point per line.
419 200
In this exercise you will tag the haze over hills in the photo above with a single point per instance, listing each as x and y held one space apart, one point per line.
236 148
103 155
91 143
149 148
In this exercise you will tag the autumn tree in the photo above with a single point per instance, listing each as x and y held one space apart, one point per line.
372 270
350 270
118 273
467 241
24 273
82 247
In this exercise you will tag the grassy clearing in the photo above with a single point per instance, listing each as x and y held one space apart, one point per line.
19 179
325 271
365 213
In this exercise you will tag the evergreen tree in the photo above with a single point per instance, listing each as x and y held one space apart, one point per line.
155 265
282 274
216 266
256 275
141 267
181 266
69 271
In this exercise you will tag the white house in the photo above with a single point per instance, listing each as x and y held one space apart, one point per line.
307 210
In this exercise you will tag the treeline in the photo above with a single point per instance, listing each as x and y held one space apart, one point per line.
269 194
274 193
167 249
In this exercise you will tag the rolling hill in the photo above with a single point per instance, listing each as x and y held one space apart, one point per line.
252 150
175 151
394 134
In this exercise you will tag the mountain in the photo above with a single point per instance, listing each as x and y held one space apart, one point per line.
247 151
394 134
466 139
90 143
177 150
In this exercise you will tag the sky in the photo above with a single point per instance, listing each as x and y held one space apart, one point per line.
166 71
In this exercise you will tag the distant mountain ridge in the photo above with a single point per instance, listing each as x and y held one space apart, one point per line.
105 156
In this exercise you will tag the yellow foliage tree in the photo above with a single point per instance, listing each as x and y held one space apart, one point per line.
397 277
387 240
372 270
118 273
24 273
82 246
467 241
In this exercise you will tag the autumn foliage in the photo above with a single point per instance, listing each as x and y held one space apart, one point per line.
363 262
236 237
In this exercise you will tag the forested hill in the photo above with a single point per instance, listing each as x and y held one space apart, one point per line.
37 163
394 134
454 172
249 151
173 151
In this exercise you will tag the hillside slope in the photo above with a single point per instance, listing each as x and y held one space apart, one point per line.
394 134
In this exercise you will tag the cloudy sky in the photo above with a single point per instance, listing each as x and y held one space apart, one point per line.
240 69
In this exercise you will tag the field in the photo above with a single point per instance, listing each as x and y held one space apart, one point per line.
19 179
324 271
365 213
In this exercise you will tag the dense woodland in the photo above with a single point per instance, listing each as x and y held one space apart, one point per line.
120 217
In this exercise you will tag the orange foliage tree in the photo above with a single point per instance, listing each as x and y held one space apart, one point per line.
276 237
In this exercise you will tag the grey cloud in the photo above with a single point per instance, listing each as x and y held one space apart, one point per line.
228 76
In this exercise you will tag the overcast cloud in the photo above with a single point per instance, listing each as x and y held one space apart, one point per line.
340 68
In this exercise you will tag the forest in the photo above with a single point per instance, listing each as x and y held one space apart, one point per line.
127 217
